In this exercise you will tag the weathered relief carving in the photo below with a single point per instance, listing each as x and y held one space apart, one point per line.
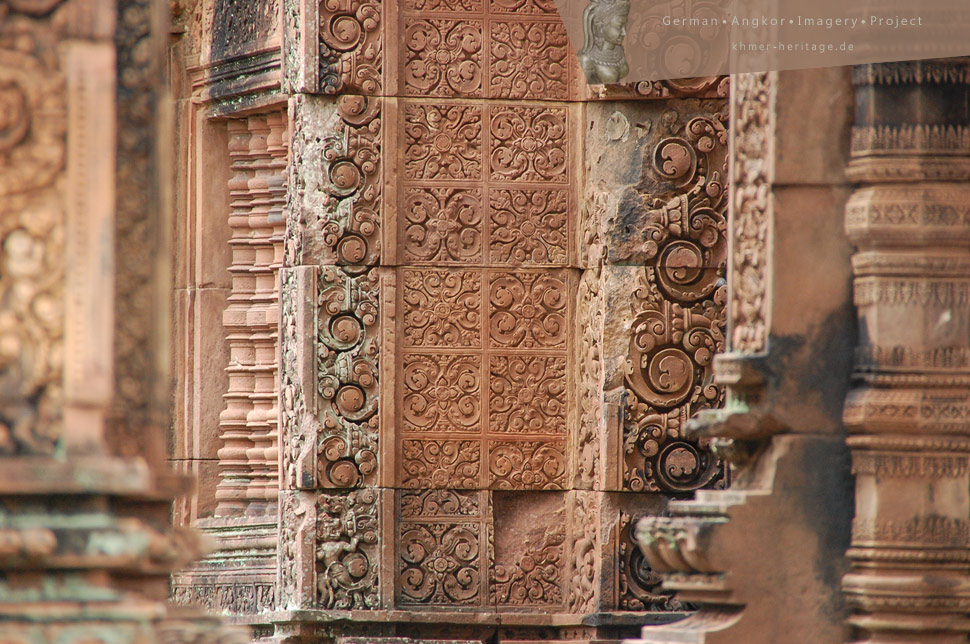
335 207
351 47
33 95
639 585
348 535
527 558
347 362
585 551
331 391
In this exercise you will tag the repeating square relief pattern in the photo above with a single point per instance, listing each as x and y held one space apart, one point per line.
443 57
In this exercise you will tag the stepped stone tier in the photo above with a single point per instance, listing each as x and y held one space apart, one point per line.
372 322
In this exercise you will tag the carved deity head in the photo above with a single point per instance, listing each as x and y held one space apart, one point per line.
604 27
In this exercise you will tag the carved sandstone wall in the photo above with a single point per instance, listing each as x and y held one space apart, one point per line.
500 294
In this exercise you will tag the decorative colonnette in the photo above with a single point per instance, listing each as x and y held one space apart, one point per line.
229 240
907 416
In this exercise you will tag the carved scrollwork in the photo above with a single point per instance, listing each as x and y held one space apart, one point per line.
351 166
444 57
347 364
639 584
536 578
749 299
680 314
351 46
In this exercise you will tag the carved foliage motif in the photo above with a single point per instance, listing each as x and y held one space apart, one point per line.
443 225
485 187
528 144
527 310
529 59
528 226
351 46
293 392
347 362
680 310
443 141
527 465
527 395
33 103
585 548
452 552
444 57
535 578
442 393
521 44
441 541
442 308
483 389
752 128
352 167
590 317
432 463
348 550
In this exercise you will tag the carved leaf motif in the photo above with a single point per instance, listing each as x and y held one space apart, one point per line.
440 563
442 308
442 393
351 46
441 463
443 225
435 503
547 7
535 579
528 60
444 57
347 376
528 144
749 298
527 310
443 142
528 226
527 395
443 5
526 465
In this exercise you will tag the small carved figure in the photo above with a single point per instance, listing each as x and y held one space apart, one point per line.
604 27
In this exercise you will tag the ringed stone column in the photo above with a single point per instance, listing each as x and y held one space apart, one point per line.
909 413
